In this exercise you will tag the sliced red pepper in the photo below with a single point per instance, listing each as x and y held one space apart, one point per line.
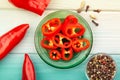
74 30
28 71
51 27
9 40
81 44
36 6
70 19
47 43
61 41
55 55
74 38
67 53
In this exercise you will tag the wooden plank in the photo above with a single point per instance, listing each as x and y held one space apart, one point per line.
11 69
106 35
11 18
73 4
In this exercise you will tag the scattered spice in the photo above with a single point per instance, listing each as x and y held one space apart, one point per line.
92 16
101 67
97 10
82 5
95 23
79 10
87 7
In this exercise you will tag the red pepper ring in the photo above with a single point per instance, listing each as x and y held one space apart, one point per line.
74 38
51 27
61 41
81 44
67 53
75 30
71 19
55 55
47 43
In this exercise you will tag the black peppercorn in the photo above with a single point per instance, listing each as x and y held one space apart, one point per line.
101 67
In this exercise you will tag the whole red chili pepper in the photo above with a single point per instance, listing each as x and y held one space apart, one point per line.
36 6
28 71
9 40
60 40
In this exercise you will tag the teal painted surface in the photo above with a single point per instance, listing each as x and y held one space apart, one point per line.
11 69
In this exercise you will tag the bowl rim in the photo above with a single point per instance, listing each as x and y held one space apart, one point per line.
77 63
100 53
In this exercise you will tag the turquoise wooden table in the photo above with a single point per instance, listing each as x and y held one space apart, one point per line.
106 38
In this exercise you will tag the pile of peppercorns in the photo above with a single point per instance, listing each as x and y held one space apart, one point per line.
101 67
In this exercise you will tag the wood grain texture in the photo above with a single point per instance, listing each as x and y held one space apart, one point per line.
106 35
106 38
108 5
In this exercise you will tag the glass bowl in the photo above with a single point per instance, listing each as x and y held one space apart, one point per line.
101 66
78 58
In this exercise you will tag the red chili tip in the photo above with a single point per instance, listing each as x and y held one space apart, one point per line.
27 56
26 25
12 37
